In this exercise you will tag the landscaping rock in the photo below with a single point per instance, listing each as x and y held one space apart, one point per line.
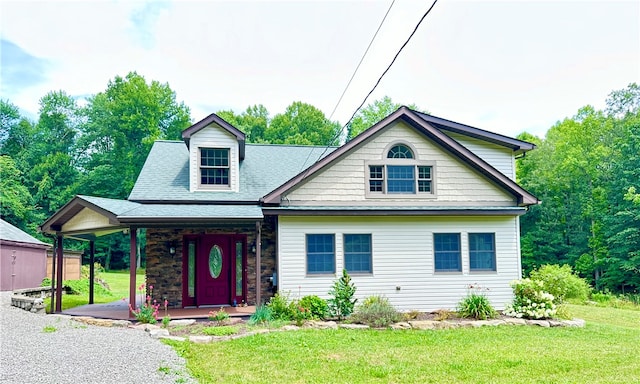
200 339
423 324
157 333
574 323
353 326
174 323
321 324
121 323
401 325
515 321
541 323
174 338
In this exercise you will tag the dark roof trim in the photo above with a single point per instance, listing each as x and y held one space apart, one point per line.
518 146
395 212
213 118
408 116
13 243
54 223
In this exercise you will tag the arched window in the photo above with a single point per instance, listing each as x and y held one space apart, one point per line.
400 151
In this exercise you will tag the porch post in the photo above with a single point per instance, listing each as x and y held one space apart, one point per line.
132 267
92 272
53 275
258 269
59 276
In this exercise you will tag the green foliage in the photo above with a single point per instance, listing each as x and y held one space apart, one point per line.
317 307
530 301
281 307
373 113
81 287
302 124
377 312
342 302
476 305
561 283
220 315
261 316
226 330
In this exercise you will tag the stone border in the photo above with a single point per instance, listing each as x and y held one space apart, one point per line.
158 332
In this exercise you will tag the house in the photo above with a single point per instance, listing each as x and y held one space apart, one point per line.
23 259
416 208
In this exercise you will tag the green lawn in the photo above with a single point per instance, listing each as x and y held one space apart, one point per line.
605 351
118 282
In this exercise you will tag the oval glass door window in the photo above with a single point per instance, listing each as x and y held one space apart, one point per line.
215 261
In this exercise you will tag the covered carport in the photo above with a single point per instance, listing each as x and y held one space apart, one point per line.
86 218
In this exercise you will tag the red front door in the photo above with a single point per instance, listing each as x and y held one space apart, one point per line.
213 270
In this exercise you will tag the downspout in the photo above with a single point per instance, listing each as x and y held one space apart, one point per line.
258 263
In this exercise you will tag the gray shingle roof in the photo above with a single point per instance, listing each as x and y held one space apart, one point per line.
165 174
12 233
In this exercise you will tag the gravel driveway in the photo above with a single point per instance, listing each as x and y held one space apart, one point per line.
73 352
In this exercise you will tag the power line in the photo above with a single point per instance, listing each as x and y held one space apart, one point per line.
361 60
379 79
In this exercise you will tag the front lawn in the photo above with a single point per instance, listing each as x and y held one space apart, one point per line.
603 352
118 282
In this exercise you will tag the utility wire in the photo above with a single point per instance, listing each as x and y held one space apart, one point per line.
361 60
379 79
304 165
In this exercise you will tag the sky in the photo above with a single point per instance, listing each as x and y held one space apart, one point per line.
504 66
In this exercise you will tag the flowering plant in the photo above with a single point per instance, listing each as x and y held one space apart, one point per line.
148 311
530 301
219 315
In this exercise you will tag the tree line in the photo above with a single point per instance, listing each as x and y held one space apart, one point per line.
585 170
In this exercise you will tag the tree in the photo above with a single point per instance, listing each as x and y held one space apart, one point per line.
17 202
302 124
123 122
372 114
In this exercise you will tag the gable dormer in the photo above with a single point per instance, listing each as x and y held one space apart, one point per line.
216 149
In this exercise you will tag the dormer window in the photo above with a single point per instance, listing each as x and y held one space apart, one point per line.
400 173
214 166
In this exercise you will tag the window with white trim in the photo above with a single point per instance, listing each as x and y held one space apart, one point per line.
482 252
214 166
401 173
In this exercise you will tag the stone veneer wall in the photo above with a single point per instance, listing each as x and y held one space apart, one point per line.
164 272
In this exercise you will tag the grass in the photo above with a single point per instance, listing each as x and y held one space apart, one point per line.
118 282
599 353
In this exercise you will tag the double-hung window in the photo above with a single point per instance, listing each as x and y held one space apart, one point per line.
357 253
447 255
482 252
214 166
321 255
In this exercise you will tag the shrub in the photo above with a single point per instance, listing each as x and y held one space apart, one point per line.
317 307
376 311
561 282
342 302
219 315
281 307
476 305
261 316
530 301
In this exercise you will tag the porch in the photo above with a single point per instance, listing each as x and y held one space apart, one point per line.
119 310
